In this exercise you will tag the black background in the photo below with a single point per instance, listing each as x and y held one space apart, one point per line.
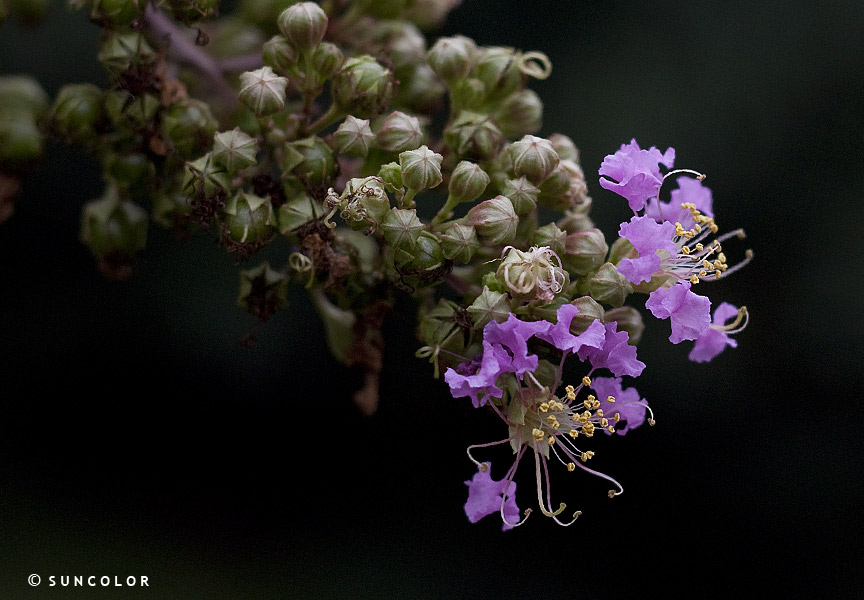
137 436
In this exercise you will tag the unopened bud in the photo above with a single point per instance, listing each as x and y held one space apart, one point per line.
495 221
297 212
399 132
263 91
621 248
249 219
263 291
21 93
585 251
303 25
132 172
424 265
628 319
127 112
474 136
354 136
574 221
391 173
467 182
204 178
428 14
327 59
522 193
401 228
363 87
533 157
589 311
189 126
421 91
450 57
565 147
279 54
121 52
609 286
312 161
468 93
235 150
520 113
459 242
76 111
489 306
498 69
115 231
550 236
421 168
564 188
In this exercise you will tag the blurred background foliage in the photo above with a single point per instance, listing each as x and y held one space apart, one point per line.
141 432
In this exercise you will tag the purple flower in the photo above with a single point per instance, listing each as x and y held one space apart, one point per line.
477 378
616 354
689 313
713 341
485 497
513 335
637 172
629 407
647 237
689 191
559 334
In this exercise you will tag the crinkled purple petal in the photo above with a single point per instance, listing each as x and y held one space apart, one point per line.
647 235
484 498
636 171
627 403
616 354
689 190
559 334
637 270
713 342
513 335
689 313
480 385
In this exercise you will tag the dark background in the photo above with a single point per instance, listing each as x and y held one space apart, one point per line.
137 436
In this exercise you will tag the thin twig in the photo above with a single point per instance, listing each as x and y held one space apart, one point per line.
244 62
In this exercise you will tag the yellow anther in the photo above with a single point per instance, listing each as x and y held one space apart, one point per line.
685 249
699 247
713 228
573 433
652 422
551 440
544 407
586 381
611 429
571 466
588 429
703 273
697 228
718 265
610 399
604 422
707 264
571 396
721 257
600 412
694 280
596 404
587 455
590 398
617 417
538 434
570 389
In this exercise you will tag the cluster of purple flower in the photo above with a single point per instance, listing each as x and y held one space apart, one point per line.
673 249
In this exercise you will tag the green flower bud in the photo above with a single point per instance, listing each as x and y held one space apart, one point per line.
189 126
424 265
400 41
565 147
489 306
363 87
519 114
279 54
573 222
628 319
205 179
421 91
171 208
399 132
127 112
327 59
474 136
495 221
364 202
192 11
131 172
354 136
621 248
391 173
564 188
421 168
532 275
467 93
76 111
450 57
589 311
121 52
522 193
20 139
20 93
263 291
585 251
304 25
467 182
498 69
459 242
117 13
533 157
115 231
429 14
249 219
235 150
401 228
312 161
552 237
297 212
609 286
263 91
